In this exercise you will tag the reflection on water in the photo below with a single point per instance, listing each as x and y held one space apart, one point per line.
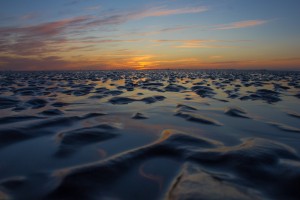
155 178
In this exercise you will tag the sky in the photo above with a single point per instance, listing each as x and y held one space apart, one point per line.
149 34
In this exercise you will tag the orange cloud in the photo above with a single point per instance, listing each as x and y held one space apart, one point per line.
194 43
216 57
241 24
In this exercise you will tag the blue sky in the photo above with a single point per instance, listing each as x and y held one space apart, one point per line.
98 34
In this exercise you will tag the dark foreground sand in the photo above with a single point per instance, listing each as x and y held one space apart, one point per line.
150 135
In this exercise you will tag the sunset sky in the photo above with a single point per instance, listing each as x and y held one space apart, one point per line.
135 34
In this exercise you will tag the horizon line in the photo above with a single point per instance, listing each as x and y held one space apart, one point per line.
131 69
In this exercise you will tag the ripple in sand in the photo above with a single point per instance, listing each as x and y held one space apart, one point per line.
89 181
127 100
8 102
251 162
153 99
121 100
243 173
195 183
236 112
39 128
266 95
101 96
182 107
72 140
113 92
174 88
60 104
293 114
203 91
189 114
10 136
36 103
29 91
51 112
139 116
264 168
17 118
285 127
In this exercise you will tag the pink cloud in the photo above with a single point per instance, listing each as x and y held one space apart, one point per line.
30 16
45 29
156 12
37 39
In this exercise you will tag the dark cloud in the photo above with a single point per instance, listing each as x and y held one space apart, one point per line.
26 63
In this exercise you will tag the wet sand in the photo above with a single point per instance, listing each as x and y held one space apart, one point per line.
163 134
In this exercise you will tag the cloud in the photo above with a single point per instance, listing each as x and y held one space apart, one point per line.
154 32
56 27
74 2
240 24
37 39
30 16
287 59
120 18
178 28
25 63
21 63
215 57
195 41
51 37
189 44
97 7
45 29
159 11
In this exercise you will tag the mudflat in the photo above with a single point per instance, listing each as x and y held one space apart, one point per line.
155 134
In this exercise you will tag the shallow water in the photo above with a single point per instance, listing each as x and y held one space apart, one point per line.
161 134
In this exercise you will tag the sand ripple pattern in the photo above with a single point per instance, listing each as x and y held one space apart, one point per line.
161 134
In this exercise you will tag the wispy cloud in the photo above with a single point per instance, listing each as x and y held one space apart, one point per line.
45 29
49 37
30 16
287 59
85 21
37 39
120 18
154 32
215 57
28 63
73 2
159 11
97 7
189 44
240 24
